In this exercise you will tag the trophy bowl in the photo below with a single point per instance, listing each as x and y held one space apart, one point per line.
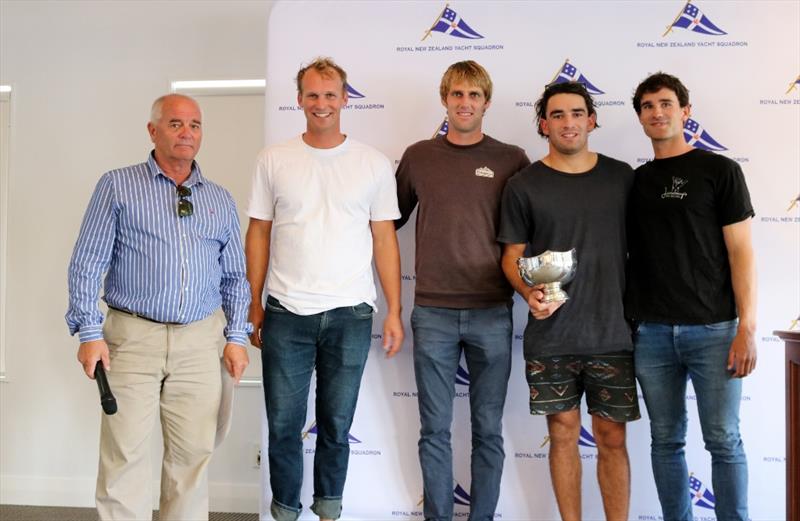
551 268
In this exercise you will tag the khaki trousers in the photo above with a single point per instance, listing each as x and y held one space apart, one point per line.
167 370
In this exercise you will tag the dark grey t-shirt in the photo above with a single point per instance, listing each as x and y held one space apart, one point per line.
552 210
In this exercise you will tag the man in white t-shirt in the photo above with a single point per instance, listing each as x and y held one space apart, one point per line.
321 206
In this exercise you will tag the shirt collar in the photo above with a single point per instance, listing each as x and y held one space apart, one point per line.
196 177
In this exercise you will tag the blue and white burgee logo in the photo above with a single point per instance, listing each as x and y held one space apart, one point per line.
449 22
585 439
313 430
794 85
352 93
462 376
461 496
442 129
569 72
696 135
692 19
700 494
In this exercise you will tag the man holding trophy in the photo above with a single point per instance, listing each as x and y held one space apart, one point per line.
568 209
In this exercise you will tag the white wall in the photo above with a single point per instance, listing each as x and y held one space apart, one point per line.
84 75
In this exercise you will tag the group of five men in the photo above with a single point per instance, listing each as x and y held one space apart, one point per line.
665 267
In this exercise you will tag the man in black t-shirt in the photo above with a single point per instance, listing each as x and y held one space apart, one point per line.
691 271
575 198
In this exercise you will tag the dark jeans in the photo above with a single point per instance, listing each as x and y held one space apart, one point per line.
336 344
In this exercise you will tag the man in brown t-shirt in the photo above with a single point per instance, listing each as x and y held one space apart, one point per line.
462 299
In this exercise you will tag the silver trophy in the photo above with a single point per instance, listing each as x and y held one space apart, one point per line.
551 268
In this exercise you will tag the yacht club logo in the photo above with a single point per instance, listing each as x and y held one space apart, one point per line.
585 439
462 376
442 129
795 85
312 429
449 22
698 137
352 93
700 494
693 29
790 98
456 34
354 102
568 72
692 19
793 203
461 496
674 192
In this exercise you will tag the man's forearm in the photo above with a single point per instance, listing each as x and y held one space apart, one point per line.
257 255
387 262
743 279
743 272
511 271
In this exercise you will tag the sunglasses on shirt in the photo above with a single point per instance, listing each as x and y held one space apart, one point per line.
185 207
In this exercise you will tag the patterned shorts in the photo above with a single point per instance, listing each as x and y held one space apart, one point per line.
558 382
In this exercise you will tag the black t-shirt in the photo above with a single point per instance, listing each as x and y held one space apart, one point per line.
679 271
552 210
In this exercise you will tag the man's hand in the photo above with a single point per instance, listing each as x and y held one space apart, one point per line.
256 317
235 359
742 356
392 334
90 352
539 309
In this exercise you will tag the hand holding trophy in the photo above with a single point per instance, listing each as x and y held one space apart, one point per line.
551 268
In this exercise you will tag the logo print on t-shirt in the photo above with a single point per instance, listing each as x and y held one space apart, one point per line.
677 184
484 171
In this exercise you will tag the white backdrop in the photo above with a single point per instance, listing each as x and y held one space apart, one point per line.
740 89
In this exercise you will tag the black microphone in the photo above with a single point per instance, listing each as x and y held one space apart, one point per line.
107 400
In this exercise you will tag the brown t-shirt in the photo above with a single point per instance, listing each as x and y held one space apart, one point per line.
458 189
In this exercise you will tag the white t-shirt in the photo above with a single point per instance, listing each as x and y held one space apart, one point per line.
321 202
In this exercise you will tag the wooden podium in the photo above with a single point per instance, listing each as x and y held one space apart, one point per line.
792 340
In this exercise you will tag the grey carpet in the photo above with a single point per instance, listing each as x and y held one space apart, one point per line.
30 513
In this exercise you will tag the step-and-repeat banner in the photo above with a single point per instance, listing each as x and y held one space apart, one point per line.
741 62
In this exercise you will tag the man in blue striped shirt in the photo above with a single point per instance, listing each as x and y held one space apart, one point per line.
169 244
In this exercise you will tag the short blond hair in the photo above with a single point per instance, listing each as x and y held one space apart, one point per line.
469 71
326 68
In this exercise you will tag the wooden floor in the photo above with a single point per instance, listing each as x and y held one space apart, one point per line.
30 513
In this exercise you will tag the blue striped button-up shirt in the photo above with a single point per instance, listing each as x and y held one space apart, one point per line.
158 265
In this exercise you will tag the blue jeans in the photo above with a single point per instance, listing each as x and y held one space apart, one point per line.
665 355
336 344
439 336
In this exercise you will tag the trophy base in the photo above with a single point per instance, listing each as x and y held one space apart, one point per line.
553 293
